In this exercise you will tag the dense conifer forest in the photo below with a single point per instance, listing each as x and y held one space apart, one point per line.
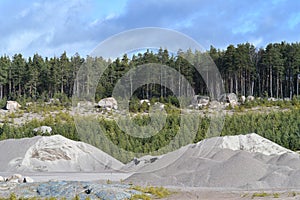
266 72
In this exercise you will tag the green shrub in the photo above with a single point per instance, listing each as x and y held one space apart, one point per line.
262 194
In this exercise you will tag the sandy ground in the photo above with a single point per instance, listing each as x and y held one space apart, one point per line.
71 176
181 193
218 194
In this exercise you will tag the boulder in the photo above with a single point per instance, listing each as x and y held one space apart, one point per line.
250 98
200 101
272 99
146 101
16 178
228 98
108 103
43 129
243 99
12 105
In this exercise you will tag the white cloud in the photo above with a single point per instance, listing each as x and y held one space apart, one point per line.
257 41
17 43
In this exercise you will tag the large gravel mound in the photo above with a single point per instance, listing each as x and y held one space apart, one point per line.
243 161
53 154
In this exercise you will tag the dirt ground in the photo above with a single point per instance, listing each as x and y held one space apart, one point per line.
209 194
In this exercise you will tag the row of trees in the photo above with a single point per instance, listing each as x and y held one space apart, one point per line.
272 71
245 70
37 77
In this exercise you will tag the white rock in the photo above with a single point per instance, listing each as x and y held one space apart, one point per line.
43 129
146 101
250 98
272 99
2 179
243 99
108 103
12 105
16 178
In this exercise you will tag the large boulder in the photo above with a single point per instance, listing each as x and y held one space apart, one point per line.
12 105
108 103
243 99
250 98
228 98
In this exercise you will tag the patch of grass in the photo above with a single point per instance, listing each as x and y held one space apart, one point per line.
244 195
140 197
276 195
292 194
262 194
157 192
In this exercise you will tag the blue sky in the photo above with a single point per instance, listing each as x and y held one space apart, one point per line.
49 27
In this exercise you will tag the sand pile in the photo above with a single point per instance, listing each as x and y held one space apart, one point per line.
53 154
243 161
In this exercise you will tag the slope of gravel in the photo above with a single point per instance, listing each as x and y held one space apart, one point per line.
244 161
53 154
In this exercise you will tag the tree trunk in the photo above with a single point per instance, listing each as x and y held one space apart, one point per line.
62 85
1 91
271 83
231 84
236 84
277 85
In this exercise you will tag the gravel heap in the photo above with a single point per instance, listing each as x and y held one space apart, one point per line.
243 161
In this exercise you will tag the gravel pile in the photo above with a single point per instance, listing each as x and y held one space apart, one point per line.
244 161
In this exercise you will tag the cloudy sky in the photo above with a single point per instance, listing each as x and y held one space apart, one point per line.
49 27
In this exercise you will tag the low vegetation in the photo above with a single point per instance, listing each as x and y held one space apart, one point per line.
280 126
150 192
264 194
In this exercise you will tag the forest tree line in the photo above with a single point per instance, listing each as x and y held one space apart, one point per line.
266 72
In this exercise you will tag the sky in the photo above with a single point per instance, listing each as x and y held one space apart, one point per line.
50 27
